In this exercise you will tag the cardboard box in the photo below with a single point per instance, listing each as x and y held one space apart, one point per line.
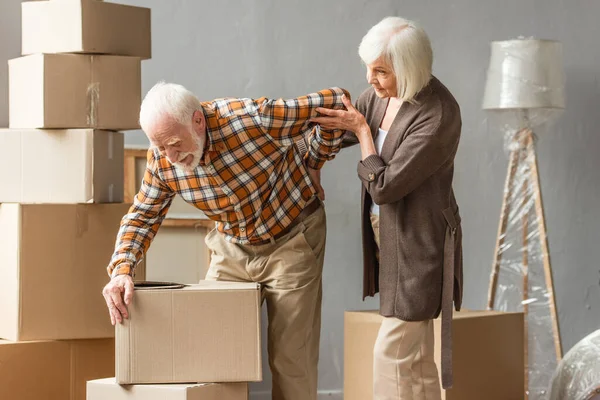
53 260
105 389
487 355
90 359
79 166
70 91
208 332
85 26
53 369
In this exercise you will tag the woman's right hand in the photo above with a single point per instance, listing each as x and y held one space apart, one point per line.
350 119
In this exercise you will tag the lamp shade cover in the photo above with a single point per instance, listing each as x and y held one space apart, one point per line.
525 74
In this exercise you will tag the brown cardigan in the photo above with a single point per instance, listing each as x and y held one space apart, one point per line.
420 267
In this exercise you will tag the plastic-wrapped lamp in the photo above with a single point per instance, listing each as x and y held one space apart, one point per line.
524 89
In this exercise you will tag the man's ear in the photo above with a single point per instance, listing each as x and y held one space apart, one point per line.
198 117
198 121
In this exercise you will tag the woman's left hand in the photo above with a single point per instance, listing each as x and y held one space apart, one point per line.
351 120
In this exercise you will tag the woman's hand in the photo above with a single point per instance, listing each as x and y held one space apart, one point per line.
351 120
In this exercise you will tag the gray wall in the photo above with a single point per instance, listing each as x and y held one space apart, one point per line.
289 48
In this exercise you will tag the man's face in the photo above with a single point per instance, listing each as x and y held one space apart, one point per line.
182 145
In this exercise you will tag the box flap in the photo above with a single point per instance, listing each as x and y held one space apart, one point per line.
157 285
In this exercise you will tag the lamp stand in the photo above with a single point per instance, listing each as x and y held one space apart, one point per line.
524 152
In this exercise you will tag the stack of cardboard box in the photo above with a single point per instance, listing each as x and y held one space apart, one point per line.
77 84
75 88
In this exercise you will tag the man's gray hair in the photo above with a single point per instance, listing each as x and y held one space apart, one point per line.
168 100
406 48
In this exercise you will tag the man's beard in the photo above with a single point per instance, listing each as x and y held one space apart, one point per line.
199 140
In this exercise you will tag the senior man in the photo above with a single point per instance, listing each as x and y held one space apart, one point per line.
245 163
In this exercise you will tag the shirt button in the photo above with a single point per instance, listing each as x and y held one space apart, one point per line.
371 176
242 229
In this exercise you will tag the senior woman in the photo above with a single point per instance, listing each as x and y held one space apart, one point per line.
408 127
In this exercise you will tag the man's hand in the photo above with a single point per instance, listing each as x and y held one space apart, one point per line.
118 294
315 177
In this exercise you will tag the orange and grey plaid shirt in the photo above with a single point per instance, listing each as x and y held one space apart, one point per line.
252 179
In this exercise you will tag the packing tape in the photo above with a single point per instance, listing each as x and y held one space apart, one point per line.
93 95
93 98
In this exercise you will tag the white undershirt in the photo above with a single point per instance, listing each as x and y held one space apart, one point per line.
378 146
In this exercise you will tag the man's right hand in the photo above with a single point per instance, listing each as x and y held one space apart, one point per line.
118 294
315 177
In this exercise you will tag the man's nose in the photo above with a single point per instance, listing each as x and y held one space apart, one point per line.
172 154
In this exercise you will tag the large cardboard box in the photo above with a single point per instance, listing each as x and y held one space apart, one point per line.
207 332
74 91
61 166
53 260
85 26
53 370
105 389
487 355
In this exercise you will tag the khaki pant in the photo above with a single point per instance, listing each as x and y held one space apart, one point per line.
289 270
403 360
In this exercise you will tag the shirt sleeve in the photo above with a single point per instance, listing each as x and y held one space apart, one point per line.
287 121
139 226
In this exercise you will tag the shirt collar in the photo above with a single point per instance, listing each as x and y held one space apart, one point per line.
212 128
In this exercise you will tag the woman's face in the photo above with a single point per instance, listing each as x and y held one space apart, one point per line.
381 76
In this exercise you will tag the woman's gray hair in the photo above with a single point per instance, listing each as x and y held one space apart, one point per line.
406 48
168 100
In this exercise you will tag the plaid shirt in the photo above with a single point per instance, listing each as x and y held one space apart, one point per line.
252 180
